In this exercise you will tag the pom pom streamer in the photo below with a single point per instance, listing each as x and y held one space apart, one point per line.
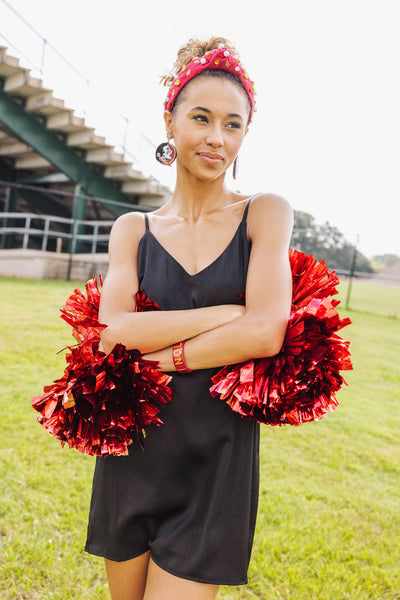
299 383
102 403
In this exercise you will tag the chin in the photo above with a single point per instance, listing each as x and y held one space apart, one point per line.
208 176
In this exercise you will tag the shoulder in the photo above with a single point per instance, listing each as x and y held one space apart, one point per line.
269 213
126 233
266 204
131 221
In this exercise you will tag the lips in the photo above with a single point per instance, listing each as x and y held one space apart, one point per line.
211 158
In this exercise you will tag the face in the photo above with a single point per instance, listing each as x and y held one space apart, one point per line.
208 126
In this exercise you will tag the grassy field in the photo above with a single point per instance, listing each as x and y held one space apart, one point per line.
328 524
373 299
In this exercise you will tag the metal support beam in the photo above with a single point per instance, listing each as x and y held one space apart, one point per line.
79 210
32 132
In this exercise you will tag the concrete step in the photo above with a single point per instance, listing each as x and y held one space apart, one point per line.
105 156
45 104
22 84
32 161
6 138
66 122
87 139
124 173
146 187
14 149
40 102
8 64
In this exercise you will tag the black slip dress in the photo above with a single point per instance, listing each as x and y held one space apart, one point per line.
190 497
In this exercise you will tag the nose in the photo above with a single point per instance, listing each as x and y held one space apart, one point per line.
214 136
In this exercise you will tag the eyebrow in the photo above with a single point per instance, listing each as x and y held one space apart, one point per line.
206 110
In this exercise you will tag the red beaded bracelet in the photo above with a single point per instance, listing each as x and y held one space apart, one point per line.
179 359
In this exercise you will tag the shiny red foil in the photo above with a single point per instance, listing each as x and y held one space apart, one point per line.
298 384
102 403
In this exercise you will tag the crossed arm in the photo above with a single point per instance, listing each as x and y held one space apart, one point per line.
216 335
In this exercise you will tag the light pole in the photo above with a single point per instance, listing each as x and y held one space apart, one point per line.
352 270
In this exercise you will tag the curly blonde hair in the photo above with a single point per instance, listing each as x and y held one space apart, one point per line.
195 49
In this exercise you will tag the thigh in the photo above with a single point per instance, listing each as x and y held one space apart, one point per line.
127 579
164 586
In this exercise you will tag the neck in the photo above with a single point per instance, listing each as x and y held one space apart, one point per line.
193 198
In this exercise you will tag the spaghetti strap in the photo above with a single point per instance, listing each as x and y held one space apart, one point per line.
246 210
146 220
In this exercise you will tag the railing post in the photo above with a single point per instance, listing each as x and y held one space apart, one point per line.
72 248
45 234
9 206
25 240
94 240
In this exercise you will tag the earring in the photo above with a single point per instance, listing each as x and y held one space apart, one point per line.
235 167
166 153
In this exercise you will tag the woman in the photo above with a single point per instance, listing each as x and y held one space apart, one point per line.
176 520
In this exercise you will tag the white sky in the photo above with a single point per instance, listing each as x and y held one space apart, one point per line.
327 131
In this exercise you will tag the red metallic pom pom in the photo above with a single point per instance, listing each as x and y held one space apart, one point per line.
102 403
298 384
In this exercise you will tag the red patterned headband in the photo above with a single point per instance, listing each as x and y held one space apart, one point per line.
219 59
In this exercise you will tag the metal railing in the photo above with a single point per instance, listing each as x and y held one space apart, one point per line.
29 228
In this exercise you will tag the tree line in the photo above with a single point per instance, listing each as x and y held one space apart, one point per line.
326 242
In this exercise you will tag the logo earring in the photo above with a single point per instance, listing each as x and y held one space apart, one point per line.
166 153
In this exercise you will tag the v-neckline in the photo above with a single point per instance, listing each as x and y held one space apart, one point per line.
190 275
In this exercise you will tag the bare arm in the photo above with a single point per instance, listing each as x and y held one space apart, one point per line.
260 330
147 331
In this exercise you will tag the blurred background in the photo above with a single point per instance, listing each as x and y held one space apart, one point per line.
81 115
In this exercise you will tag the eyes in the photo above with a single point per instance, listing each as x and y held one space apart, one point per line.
200 118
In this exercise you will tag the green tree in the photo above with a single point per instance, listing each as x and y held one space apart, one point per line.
384 261
326 242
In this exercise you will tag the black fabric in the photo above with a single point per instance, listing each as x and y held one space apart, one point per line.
191 495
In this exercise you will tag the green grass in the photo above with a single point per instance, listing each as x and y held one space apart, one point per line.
375 299
328 523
